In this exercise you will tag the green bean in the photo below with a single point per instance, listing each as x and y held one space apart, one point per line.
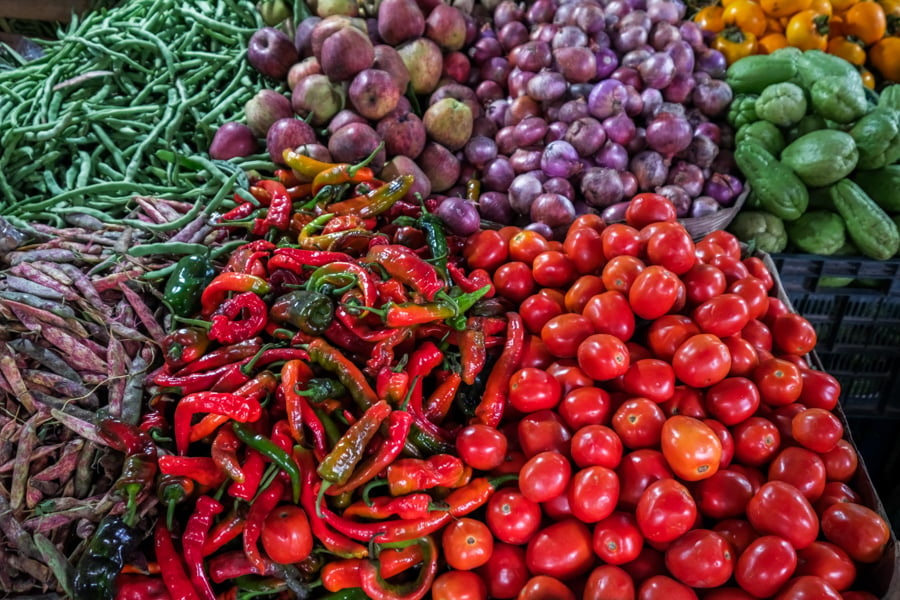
167 248
192 213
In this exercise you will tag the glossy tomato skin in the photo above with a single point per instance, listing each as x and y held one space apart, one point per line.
727 241
691 447
778 380
701 361
732 400
544 587
458 585
545 476
593 493
286 536
580 292
756 440
637 470
564 333
685 401
701 558
505 572
512 518
467 544
723 495
759 335
765 566
778 508
650 378
808 587
835 491
486 250
724 435
535 353
481 447
802 468
581 246
820 389
738 532
817 429
532 389
841 461
667 333
537 309
562 550
513 281
596 445
525 245
744 356
672 248
541 431
828 561
856 529
569 375
654 292
757 268
603 356
620 272
754 292
662 587
553 269
638 422
617 539
609 312
609 581
585 406
794 334
620 238
649 207
723 315
665 511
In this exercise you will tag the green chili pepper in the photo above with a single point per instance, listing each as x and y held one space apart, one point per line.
113 542
320 389
267 448
186 283
309 311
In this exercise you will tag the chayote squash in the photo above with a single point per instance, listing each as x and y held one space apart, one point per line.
742 110
821 157
782 104
882 186
877 137
818 232
805 125
890 97
776 187
837 100
768 135
814 65
870 228
761 228
752 74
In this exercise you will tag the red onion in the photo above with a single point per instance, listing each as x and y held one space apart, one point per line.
710 130
651 98
555 210
670 11
494 206
638 142
668 134
506 12
678 197
479 150
601 187
657 70
650 169
662 34
489 91
569 36
607 62
529 131
590 18
607 98
680 89
564 14
572 110
484 126
547 85
556 131
517 82
497 174
615 10
682 55
704 206
532 56
712 97
560 159
459 215
628 76
692 33
577 65
629 38
619 128
523 160
541 11
688 176
522 192
233 139
495 69
635 57
544 32
613 156
629 183
636 18
513 34
634 105
586 135
702 151
485 49
724 188
712 62
541 228
559 185
615 213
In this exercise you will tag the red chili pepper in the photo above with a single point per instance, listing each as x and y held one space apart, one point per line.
280 205
392 290
329 358
201 469
195 382
300 191
223 356
214 293
253 468
345 222
195 533
183 346
312 258
441 398
343 574
345 173
287 177
259 510
411 506
490 410
223 532
392 385
472 353
140 464
408 475
294 375
476 279
383 352
224 453
241 211
238 408
343 274
405 265
263 384
133 586
376 201
338 334
337 467
358 327
253 313
376 588
170 566
232 379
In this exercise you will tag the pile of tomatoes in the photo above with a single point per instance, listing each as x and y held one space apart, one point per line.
670 439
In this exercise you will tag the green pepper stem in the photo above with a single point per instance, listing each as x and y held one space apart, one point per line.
365 162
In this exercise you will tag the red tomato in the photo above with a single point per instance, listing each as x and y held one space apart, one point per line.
609 581
723 495
533 389
535 353
722 315
603 356
580 292
509 232
596 445
727 241
701 558
505 572
481 447
777 307
569 375
758 269
593 493
817 429
755 475
703 282
541 431
819 389
793 334
648 207
466 543
637 471
564 333
782 416
553 269
731 267
537 309
744 357
835 491
828 561
526 245
673 249
667 333
617 539
808 587
661 587
544 476
513 518
486 250
562 550
558 508
738 532
513 281
756 440
621 271
581 246
620 239
638 422
691 447
665 511
701 361
732 400
778 380
707 250
543 587
653 292
609 312
801 468
685 401
857 529
650 378
458 585
754 292
840 462
778 508
585 406
286 536
590 221
727 593
765 566
726 438
758 334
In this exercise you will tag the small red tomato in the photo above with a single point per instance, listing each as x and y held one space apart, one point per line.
286 536
581 246
585 406
807 587
512 518
603 356
621 271
650 378
817 429
526 245
756 440
738 532
703 282
609 581
617 539
685 401
857 529
621 239
593 493
727 241
820 389
662 587
723 495
691 447
732 400
637 471
596 445
562 550
701 361
505 572
801 468
793 334
778 508
758 269
672 248
828 561
723 315
553 269
638 422
744 357
648 207
665 511
654 292
580 292
766 565
701 558
564 333
537 309
778 380
458 585
533 389
467 543
486 250
543 430
841 461
513 281
667 333
481 447
544 587
609 312
545 476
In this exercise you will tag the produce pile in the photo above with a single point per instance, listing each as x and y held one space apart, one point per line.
821 154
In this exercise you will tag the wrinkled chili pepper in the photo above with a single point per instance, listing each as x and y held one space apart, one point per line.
139 467
224 531
154 421
113 542
308 239
408 475
238 408
377 588
376 201
383 352
260 508
222 356
223 283
232 379
472 353
309 311
170 566
442 397
132 586
280 204
202 469
241 211
268 449
357 326
406 266
411 506
306 166
329 358
224 451
172 490
257 388
475 280
490 410
195 533
184 286
342 574
338 276
392 385
392 290
346 340
312 258
183 346
337 467
249 258
253 468
320 389
294 375
252 311
197 382
346 173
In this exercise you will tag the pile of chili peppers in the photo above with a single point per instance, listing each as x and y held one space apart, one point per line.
328 366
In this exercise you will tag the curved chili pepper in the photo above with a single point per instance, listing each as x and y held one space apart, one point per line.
406 266
220 357
133 586
224 531
346 173
319 389
287 177
183 346
195 532
442 397
241 211
357 326
475 280
170 566
252 311
329 358
343 574
171 491
95 575
312 258
490 410
139 467
294 376
376 201
202 469
306 166
280 204
392 385
383 352
263 384
214 293
268 449
238 408
377 588
337 467
342 274
392 290
224 453
253 468
410 506
408 475
260 508
308 310
197 382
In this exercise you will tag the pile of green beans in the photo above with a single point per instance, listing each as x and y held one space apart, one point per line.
125 102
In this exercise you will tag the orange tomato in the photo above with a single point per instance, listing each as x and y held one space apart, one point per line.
849 50
868 78
735 44
746 15
709 18
885 56
784 8
808 30
691 448
842 5
823 7
771 42
865 21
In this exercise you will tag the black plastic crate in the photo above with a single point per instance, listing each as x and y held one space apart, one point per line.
858 325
